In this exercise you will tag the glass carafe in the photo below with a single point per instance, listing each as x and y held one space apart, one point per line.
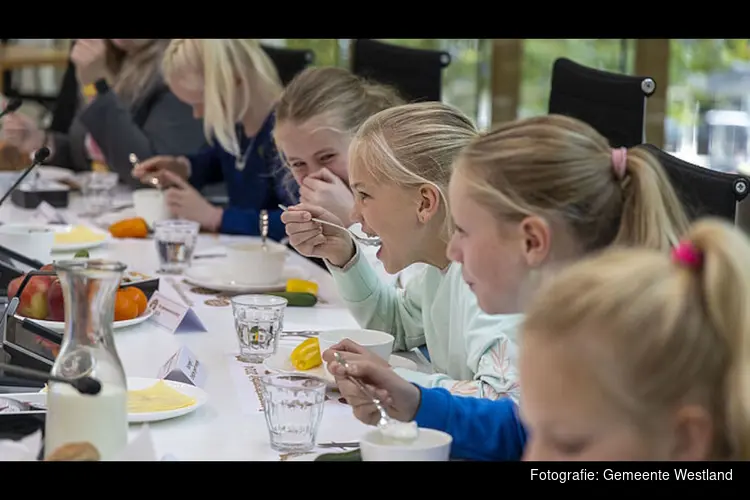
88 349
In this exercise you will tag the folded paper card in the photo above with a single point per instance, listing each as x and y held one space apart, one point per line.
184 367
173 316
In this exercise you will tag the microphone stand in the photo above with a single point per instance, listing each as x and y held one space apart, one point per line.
40 155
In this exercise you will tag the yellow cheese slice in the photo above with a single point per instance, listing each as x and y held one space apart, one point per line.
159 397
78 234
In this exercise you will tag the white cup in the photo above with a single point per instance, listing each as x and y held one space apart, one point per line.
430 446
250 264
378 343
150 205
32 240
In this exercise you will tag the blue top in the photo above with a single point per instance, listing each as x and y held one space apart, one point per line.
262 184
482 429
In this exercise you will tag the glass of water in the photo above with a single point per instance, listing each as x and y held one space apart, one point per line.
175 243
97 191
258 320
293 406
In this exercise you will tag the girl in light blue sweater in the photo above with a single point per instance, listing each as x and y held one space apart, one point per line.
526 198
400 162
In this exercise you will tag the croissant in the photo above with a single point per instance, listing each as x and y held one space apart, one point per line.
74 452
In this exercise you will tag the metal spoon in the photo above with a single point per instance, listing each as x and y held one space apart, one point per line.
386 424
154 181
264 228
372 242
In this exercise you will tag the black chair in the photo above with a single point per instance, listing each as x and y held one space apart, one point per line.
614 104
416 73
289 62
705 192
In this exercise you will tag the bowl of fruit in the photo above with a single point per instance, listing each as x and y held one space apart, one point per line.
42 301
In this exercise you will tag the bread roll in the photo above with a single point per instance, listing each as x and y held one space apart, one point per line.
74 452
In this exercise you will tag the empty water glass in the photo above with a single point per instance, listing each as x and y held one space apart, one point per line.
258 320
175 243
97 191
293 406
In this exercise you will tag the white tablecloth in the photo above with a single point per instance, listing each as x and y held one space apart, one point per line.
230 426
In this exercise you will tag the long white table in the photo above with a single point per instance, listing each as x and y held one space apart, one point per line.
230 426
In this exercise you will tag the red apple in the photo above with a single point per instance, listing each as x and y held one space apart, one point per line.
48 279
14 285
55 304
33 300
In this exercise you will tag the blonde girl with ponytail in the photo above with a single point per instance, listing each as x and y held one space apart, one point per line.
643 355
233 86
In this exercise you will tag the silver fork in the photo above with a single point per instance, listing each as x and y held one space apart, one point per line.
372 242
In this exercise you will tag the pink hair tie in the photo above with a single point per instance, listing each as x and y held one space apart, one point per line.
620 161
686 254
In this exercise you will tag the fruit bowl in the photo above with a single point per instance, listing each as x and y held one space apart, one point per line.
41 298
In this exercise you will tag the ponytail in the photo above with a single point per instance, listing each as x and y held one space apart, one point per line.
652 214
725 287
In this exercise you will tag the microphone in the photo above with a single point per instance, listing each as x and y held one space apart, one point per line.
40 155
84 385
12 106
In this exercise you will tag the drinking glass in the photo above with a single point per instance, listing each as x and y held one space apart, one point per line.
97 191
175 243
258 320
293 406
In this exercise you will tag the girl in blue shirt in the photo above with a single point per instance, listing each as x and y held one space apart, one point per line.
526 198
234 87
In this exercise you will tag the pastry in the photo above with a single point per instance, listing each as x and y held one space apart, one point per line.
74 452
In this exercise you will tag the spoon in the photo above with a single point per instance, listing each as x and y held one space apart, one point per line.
392 430
373 242
154 181
264 228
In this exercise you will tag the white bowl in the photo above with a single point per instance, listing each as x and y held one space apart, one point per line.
250 264
32 240
378 343
430 446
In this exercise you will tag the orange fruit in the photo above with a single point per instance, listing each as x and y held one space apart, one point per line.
125 307
137 296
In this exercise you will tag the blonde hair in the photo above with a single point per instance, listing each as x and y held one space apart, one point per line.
339 96
412 145
220 61
559 166
665 333
134 72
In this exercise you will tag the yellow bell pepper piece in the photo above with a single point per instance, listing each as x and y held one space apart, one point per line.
295 285
306 356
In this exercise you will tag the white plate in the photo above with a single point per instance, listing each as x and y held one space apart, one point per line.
281 362
84 245
136 383
59 326
206 276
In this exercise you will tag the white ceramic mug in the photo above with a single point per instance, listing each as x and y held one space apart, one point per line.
32 240
250 264
150 205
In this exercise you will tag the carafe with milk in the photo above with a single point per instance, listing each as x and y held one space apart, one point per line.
88 349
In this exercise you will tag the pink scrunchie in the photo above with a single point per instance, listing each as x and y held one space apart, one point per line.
620 161
688 255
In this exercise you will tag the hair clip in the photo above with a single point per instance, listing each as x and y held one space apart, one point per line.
620 161
688 255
